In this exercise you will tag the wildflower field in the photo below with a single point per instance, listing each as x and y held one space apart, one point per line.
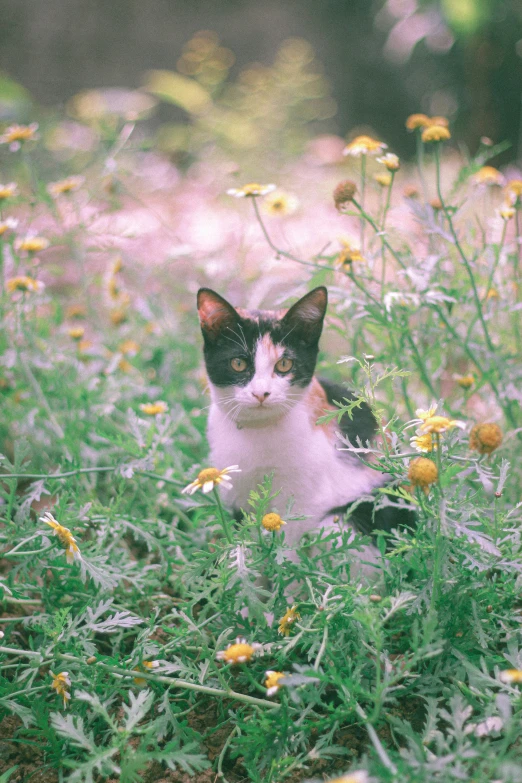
126 651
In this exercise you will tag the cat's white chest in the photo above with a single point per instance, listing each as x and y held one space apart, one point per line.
302 457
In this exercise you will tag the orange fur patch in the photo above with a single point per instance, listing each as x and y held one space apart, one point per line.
317 403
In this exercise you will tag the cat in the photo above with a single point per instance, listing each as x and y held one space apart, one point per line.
265 402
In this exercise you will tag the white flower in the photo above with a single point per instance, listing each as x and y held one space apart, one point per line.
251 189
397 298
211 477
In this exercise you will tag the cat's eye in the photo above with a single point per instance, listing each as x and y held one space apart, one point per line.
284 364
239 365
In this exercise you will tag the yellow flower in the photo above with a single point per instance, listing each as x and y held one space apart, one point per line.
76 311
344 193
359 776
118 315
130 347
145 666
465 381
415 121
511 675
440 424
488 175
31 244
423 415
65 537
84 345
383 179
349 255
251 189
154 408
8 191
287 620
24 283
423 443
124 365
280 203
507 212
240 652
492 294
61 682
435 133
364 145
272 682
422 472
514 189
485 438
76 332
391 161
63 186
272 522
209 478
9 224
15 135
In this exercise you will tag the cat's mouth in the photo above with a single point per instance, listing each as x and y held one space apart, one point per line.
260 412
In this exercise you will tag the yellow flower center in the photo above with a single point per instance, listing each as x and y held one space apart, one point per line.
437 424
208 474
287 620
485 438
415 121
422 472
435 133
273 678
272 521
251 188
240 652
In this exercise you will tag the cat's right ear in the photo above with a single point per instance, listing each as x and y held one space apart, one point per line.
215 313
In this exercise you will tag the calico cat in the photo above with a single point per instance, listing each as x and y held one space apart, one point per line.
263 417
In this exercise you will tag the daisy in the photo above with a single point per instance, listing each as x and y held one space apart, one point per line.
251 189
209 478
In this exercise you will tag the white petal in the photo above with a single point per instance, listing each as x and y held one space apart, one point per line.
207 486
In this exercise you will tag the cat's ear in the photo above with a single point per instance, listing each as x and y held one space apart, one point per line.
306 316
215 313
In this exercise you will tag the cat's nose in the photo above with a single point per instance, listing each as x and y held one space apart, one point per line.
261 396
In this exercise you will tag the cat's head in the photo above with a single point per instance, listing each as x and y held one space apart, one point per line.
259 362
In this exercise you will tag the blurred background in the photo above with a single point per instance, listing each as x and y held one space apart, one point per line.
378 60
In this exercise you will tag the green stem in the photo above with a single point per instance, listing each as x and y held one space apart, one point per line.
420 162
223 516
363 190
498 250
383 225
461 253
170 681
383 239
438 534
277 250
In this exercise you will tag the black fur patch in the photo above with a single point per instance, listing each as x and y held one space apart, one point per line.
366 519
362 424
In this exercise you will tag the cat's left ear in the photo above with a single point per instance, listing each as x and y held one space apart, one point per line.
306 316
215 313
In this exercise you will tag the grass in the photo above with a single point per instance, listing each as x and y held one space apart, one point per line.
400 677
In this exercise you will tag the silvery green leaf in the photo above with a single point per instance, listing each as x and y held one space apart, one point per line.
102 574
119 620
138 708
24 713
71 727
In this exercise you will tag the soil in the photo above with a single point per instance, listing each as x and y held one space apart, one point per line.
30 761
